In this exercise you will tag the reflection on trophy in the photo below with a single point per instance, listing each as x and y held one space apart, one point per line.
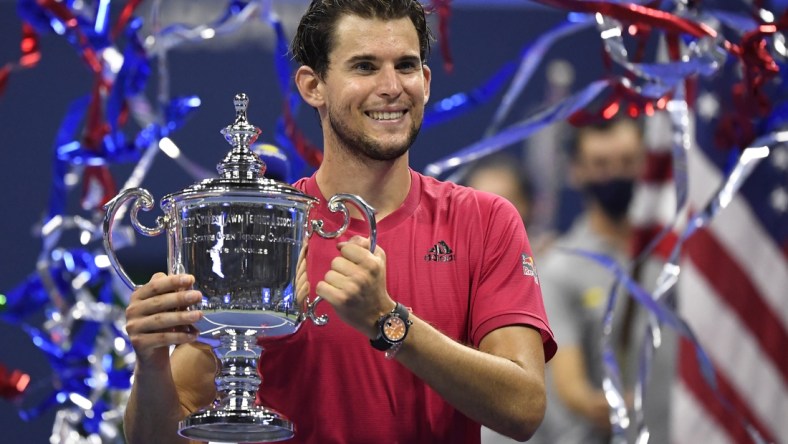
240 235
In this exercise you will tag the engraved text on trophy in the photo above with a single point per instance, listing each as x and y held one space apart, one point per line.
245 254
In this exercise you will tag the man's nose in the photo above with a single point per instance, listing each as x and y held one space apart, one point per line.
389 82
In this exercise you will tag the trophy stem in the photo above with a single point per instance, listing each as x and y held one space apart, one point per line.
235 416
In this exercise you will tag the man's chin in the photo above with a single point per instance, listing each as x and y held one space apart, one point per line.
387 153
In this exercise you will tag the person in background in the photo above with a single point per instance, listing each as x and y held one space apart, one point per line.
453 268
500 174
606 159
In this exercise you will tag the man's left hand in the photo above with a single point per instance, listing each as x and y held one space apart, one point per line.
356 285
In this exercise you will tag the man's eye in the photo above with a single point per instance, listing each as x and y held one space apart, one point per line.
406 66
364 66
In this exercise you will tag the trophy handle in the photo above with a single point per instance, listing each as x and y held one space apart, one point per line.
143 200
337 203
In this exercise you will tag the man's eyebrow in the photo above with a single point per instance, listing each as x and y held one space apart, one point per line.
372 58
361 58
411 58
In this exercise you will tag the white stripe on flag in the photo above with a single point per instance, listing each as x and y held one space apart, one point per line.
653 204
735 352
741 234
692 424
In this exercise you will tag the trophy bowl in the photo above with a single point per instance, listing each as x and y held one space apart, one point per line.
240 236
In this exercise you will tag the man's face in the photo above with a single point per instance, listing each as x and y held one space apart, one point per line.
616 153
375 88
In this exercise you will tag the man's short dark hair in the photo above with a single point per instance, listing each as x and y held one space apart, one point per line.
315 38
501 162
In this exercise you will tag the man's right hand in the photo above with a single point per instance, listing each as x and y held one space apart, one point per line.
156 317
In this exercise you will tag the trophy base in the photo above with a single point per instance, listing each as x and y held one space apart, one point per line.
255 424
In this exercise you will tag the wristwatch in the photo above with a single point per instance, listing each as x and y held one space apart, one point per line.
392 330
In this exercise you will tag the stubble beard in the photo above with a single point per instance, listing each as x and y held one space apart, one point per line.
357 143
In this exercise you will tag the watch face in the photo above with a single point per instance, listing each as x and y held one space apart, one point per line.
394 329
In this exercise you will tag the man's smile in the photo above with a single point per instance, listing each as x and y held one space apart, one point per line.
385 115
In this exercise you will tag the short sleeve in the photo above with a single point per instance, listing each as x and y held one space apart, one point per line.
508 288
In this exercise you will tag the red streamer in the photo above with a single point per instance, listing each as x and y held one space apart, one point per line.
748 96
304 148
61 11
31 55
96 128
444 13
125 16
735 127
637 14
620 100
12 384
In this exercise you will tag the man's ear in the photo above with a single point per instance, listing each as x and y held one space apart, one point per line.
309 86
427 79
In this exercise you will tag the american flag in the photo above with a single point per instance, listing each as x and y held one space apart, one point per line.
733 285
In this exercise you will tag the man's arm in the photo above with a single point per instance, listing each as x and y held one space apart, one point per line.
501 385
165 388
161 398
574 388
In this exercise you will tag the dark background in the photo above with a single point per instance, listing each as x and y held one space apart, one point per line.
484 35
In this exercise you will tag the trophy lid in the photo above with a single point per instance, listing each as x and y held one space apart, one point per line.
241 171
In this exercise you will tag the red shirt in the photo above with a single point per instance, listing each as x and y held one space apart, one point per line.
460 259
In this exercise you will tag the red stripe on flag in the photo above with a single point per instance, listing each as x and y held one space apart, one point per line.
735 288
659 167
785 249
729 421
644 235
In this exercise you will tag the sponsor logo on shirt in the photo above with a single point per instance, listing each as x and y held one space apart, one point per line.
528 267
440 252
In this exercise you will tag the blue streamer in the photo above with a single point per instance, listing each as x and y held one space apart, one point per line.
738 22
664 315
293 99
519 131
531 58
281 60
297 163
68 127
459 103
132 77
24 299
177 112
655 304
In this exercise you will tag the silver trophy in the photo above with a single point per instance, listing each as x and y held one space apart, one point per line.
240 235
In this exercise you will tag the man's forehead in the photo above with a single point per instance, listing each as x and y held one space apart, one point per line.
354 35
617 140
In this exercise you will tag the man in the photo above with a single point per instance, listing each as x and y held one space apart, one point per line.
477 337
605 161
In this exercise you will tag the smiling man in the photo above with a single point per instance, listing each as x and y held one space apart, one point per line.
449 295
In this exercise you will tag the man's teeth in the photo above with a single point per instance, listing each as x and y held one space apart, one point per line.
386 116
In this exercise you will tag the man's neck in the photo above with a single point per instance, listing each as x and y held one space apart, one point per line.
382 184
617 232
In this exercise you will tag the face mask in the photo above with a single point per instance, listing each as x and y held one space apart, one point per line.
612 195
